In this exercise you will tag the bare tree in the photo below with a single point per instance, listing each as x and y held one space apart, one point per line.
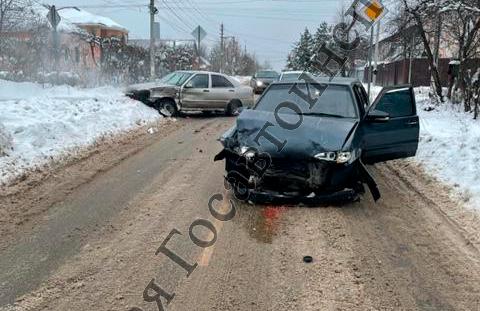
12 13
462 23
424 13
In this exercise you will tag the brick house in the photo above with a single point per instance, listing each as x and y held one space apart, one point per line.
76 54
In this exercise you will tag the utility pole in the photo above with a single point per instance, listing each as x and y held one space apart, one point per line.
198 46
222 47
153 11
370 71
55 39
54 19
377 50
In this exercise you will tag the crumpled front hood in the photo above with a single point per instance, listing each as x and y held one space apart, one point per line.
164 91
164 87
150 86
315 134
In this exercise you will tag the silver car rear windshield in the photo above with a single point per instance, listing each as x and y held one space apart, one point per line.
334 101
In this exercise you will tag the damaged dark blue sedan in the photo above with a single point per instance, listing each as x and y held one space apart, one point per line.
309 140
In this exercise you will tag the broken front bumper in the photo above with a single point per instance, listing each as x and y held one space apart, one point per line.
269 179
346 195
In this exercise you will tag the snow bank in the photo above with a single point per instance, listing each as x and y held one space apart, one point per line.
41 125
450 147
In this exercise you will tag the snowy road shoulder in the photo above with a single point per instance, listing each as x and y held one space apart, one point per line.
38 125
449 147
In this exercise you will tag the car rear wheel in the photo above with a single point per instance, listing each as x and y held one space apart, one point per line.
167 107
233 108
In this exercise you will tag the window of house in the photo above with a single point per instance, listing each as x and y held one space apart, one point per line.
77 55
67 54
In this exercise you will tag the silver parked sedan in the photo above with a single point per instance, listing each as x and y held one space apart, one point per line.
185 91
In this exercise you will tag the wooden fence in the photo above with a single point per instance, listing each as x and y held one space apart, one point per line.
398 72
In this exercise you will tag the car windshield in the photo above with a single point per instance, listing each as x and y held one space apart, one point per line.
290 76
176 78
334 101
267 74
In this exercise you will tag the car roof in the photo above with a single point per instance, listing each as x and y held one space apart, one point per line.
202 71
326 80
292 72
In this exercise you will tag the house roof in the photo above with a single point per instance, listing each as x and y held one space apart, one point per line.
84 18
72 19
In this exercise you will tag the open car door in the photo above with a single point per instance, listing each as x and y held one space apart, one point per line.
391 126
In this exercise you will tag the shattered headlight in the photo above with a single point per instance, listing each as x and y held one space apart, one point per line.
247 152
338 157
344 157
327 156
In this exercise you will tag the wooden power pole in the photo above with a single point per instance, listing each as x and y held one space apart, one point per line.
153 11
222 47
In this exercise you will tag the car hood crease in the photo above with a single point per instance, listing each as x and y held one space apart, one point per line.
324 133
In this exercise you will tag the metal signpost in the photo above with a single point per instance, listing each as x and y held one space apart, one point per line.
199 34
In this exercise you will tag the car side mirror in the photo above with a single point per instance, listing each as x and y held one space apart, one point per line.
377 116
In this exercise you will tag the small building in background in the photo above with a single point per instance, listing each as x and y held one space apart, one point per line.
402 59
31 49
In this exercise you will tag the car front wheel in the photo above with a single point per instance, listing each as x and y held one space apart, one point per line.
167 108
233 108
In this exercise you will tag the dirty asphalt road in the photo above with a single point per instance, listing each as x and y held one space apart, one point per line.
95 248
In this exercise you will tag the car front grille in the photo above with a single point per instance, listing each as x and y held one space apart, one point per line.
295 175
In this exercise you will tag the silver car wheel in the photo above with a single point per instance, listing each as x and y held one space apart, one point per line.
168 109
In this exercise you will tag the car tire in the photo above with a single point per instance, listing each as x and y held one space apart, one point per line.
232 107
167 107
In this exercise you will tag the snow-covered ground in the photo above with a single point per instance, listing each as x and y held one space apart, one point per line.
38 125
449 146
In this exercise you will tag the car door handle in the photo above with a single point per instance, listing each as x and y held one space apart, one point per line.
206 91
412 123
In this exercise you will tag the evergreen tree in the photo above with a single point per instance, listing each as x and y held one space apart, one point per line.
323 35
301 56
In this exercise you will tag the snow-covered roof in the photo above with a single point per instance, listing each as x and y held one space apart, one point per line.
81 17
73 19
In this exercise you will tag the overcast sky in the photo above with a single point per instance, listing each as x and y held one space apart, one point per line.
266 27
